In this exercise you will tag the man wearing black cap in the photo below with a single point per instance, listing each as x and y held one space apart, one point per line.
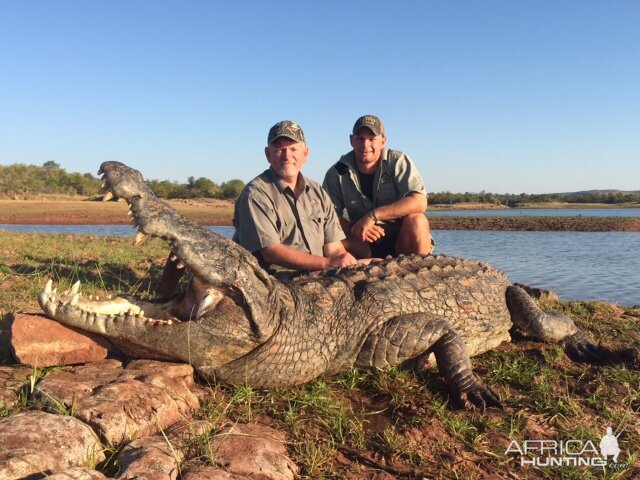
284 219
383 194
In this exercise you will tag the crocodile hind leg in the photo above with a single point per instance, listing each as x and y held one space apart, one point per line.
408 339
555 327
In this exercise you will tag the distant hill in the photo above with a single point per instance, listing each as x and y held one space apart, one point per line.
610 197
600 192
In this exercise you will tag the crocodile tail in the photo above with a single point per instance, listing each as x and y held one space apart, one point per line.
550 326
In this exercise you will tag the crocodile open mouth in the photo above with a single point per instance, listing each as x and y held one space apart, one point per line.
94 309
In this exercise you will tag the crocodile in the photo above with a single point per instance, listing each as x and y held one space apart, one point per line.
236 323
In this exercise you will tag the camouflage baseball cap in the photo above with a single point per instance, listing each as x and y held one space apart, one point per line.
287 129
371 122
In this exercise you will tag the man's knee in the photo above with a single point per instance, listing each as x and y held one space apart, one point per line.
415 223
415 235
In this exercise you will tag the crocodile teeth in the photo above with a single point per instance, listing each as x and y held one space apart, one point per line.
204 303
74 301
107 196
139 237
173 258
47 287
180 266
75 288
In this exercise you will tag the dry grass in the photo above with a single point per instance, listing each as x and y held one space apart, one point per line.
86 212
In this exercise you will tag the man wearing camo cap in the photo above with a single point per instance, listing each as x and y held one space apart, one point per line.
284 219
383 194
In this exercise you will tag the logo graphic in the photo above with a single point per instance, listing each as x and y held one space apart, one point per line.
609 445
572 453
386 178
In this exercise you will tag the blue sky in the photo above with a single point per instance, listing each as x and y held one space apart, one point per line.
502 96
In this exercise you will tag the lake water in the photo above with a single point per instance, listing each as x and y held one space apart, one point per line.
547 212
576 265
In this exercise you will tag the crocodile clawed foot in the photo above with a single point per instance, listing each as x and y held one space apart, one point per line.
477 395
581 350
628 356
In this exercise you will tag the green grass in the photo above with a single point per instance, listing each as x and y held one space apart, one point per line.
102 264
357 423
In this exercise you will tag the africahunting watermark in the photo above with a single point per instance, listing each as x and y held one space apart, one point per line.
569 453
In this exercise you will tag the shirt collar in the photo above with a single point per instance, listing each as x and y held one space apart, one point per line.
281 186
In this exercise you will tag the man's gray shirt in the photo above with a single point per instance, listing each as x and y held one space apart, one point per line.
268 212
395 178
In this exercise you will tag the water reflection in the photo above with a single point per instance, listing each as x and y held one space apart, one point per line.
576 265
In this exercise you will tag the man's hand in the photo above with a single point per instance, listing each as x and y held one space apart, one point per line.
343 260
366 230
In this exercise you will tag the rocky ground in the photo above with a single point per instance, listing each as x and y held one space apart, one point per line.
132 419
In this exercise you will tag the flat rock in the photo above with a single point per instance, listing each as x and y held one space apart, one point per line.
37 340
35 442
152 458
123 404
159 457
255 451
72 384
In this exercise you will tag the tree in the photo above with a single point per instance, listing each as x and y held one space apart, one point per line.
231 189
50 164
203 187
162 189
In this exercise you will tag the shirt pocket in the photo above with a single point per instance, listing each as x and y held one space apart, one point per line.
287 227
387 193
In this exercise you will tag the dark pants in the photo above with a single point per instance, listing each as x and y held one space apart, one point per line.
387 245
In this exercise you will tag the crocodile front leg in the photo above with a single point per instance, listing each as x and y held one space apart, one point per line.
411 337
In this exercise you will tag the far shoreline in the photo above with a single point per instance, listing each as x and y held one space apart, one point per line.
213 212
